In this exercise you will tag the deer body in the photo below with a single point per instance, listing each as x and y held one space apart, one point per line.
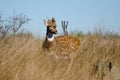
67 44
61 46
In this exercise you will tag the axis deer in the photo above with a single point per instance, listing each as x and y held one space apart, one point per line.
60 46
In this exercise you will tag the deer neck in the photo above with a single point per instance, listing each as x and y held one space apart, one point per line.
49 36
49 41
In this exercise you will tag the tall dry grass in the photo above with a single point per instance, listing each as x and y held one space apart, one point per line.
21 58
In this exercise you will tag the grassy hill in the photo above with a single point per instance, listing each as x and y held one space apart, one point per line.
21 58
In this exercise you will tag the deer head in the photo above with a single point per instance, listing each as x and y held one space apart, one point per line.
51 25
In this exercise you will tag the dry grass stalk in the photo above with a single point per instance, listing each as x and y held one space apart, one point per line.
21 59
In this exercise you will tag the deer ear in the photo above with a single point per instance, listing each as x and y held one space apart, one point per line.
53 19
45 23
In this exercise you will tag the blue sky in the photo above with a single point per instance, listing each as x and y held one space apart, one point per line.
83 15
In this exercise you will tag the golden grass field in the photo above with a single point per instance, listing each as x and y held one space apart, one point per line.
21 58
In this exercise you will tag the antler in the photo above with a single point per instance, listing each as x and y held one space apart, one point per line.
64 26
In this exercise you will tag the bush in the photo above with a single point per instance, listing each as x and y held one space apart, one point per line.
12 25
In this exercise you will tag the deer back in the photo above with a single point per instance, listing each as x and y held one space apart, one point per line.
67 44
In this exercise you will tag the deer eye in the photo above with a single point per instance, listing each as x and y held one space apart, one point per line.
54 26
